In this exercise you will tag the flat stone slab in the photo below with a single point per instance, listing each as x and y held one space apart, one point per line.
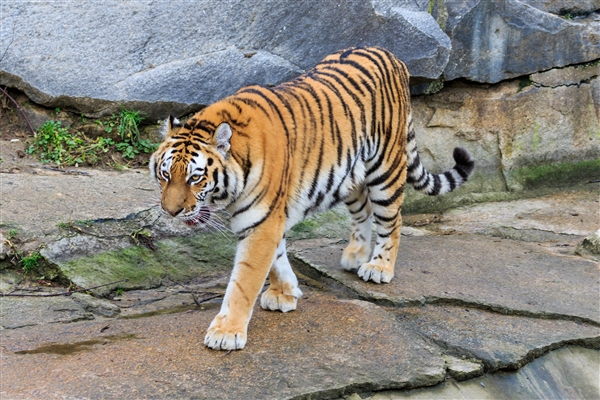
554 216
483 272
17 312
29 201
500 341
567 373
327 347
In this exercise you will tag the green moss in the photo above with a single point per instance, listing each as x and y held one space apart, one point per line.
176 260
333 223
555 175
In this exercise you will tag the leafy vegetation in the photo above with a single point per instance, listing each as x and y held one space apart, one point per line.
65 147
31 262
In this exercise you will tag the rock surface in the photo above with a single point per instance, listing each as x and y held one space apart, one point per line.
160 58
473 304
489 273
557 375
496 40
180 56
521 137
164 357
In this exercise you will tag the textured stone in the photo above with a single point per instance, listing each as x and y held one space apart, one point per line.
462 369
96 306
590 247
567 373
512 131
326 349
497 40
592 243
564 217
499 341
564 7
17 312
155 56
484 272
566 76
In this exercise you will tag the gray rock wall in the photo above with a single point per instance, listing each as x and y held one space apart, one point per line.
160 56
75 53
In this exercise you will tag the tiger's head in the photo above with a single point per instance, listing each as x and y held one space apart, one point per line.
192 168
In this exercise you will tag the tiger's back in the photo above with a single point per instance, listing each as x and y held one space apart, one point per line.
341 132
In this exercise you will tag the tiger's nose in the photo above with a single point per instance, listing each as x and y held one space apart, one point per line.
174 213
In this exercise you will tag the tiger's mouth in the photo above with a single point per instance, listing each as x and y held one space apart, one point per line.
202 217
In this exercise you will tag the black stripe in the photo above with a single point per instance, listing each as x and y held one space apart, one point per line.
392 199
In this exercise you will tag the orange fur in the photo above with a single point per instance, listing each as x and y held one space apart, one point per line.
270 156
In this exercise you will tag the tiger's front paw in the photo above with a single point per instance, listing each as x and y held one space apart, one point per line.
376 273
276 299
222 335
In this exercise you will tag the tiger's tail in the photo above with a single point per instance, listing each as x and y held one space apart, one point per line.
434 184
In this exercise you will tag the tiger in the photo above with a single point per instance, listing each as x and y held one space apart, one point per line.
271 156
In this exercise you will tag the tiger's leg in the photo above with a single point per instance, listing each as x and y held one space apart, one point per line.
283 292
386 199
254 256
358 250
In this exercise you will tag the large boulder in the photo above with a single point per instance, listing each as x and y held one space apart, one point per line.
157 56
497 40
522 137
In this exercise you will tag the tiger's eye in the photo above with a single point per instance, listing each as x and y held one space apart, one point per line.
195 177
166 175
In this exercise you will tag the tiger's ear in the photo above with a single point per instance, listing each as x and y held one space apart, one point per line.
223 137
169 127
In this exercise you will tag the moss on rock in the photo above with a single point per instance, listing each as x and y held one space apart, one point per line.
175 260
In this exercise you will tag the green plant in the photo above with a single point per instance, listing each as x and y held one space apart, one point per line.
523 83
12 234
118 292
128 127
31 262
54 143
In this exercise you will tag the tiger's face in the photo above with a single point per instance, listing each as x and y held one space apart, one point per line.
192 172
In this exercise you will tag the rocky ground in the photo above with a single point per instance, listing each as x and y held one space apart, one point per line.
489 301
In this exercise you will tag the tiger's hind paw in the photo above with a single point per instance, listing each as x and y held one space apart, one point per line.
376 273
274 299
354 256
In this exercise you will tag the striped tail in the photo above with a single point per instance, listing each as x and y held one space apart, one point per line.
434 184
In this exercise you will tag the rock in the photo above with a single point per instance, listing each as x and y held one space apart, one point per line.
590 247
17 312
3 247
327 349
504 276
566 373
461 369
96 306
92 131
521 137
592 243
9 280
154 57
565 7
562 217
502 342
494 41
567 76
137 267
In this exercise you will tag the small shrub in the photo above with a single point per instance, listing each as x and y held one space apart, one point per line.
55 143
31 262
